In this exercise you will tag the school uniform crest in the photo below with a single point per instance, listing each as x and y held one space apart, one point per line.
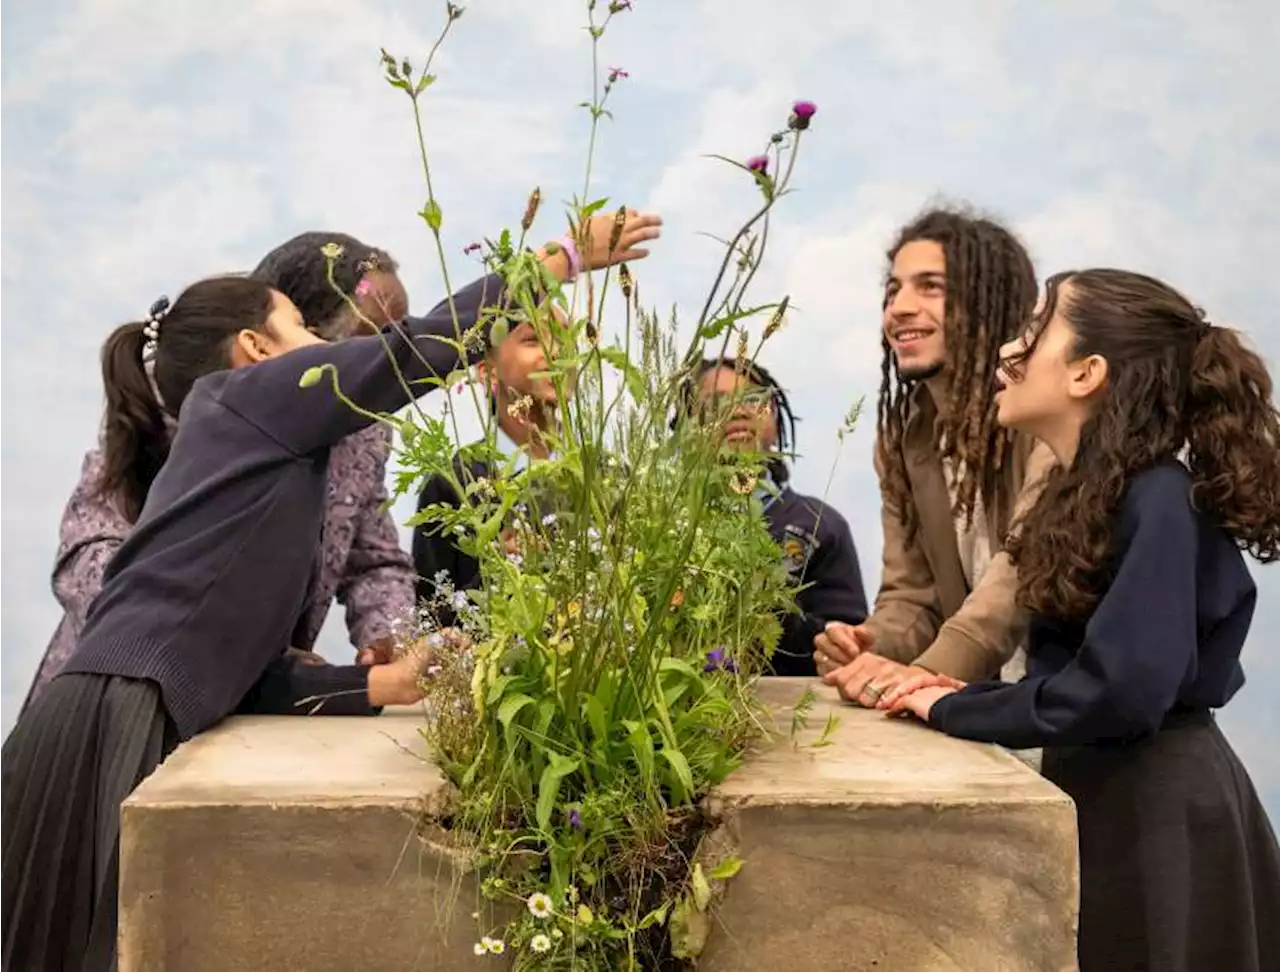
798 546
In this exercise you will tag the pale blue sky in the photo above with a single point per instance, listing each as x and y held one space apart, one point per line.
148 144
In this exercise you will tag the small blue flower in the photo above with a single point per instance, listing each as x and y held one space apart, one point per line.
717 661
575 820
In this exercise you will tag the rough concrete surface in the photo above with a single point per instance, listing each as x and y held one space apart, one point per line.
895 849
289 843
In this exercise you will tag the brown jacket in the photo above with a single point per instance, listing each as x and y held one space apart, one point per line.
925 612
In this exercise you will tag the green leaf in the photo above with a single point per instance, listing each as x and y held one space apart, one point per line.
656 917
594 207
727 868
642 749
688 930
432 214
635 381
713 329
507 712
424 82
498 333
828 731
549 786
596 717
312 376
676 760
701 889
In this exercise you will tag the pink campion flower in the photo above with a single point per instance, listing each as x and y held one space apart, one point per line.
364 288
801 113
758 163
616 73
471 248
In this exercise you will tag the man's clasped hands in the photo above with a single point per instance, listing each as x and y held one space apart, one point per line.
846 659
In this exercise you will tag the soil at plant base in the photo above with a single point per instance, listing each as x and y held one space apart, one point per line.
664 871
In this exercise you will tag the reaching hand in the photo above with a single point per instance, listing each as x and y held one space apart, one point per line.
399 682
839 644
600 229
379 653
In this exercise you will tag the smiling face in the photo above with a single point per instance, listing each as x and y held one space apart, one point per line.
915 307
1050 390
511 367
747 410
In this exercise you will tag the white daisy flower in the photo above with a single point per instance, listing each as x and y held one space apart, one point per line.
539 905
481 948
540 943
497 946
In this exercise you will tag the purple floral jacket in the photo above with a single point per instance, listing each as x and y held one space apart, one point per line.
362 563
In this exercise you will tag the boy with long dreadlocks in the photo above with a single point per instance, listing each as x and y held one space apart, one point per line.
952 481
744 400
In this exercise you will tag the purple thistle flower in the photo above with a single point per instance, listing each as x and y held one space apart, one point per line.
616 73
758 163
801 113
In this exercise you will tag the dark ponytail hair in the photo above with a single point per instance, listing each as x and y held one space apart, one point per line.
1177 388
299 269
1233 435
192 340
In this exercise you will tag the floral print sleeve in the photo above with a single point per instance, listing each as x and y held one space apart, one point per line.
377 581
91 531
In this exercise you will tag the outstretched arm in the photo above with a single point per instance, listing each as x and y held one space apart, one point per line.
1125 676
382 373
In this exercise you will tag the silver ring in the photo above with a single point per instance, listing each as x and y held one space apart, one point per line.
873 691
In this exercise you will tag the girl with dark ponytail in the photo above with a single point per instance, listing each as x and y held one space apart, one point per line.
361 561
1132 567
200 602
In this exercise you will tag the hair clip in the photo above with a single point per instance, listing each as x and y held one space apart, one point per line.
151 328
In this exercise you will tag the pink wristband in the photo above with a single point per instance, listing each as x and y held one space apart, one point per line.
571 252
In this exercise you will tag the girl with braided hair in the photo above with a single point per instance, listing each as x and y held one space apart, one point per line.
1131 566
958 287
816 543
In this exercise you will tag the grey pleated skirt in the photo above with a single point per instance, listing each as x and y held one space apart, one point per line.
76 752
1179 866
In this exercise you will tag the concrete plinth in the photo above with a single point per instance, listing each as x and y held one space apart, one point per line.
289 843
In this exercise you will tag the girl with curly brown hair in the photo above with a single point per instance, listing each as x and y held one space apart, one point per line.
1131 566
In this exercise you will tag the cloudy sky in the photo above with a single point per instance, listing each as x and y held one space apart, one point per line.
146 145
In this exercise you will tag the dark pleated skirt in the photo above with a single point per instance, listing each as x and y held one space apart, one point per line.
76 752
1179 866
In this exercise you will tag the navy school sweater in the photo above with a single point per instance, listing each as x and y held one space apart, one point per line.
203 596
818 550
1166 636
